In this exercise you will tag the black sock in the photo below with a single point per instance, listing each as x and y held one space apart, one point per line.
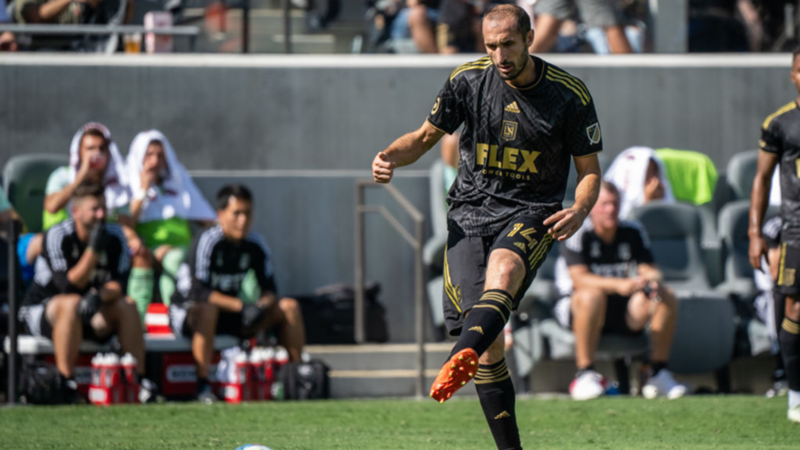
496 393
485 321
789 338
582 370
657 366
202 384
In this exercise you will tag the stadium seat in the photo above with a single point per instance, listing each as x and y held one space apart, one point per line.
741 171
25 179
675 232
705 335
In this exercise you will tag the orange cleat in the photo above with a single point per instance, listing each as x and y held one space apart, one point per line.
455 374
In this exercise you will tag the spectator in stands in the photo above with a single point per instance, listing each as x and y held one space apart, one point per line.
78 291
640 177
208 296
771 305
605 14
8 42
601 296
459 28
94 157
165 200
417 21
724 26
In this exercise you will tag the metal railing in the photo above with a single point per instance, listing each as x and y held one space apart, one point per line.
416 241
13 231
102 30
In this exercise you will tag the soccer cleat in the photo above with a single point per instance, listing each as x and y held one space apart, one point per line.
663 385
148 392
455 374
587 385
794 414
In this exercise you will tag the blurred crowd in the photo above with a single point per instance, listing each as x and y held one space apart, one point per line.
442 26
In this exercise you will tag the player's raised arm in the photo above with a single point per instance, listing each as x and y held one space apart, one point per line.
406 150
567 221
759 198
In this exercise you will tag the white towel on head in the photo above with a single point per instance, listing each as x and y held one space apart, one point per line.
178 196
628 172
115 179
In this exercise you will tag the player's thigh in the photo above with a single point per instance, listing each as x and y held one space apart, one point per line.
639 312
464 276
599 13
526 244
788 283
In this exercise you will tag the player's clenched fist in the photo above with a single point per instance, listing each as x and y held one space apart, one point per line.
382 168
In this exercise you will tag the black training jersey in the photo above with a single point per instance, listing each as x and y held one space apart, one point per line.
516 143
616 259
61 251
217 264
780 134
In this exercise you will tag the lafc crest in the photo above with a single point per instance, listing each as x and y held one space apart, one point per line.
509 130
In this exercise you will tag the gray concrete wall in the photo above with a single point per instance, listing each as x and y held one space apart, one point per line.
308 222
335 112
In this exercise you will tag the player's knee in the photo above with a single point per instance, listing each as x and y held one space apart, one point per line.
65 305
289 306
588 300
510 271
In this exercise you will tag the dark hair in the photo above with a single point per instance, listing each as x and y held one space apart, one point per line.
93 132
522 21
795 53
88 189
232 190
610 187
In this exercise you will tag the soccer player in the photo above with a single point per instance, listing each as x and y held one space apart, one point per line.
78 290
208 298
523 120
601 296
780 144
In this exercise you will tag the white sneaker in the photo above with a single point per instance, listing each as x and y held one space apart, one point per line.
794 414
587 386
663 385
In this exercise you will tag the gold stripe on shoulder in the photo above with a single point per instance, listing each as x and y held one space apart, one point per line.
570 87
571 81
482 63
574 79
784 109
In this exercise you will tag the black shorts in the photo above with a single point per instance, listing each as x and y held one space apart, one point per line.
466 258
615 318
227 323
34 318
790 262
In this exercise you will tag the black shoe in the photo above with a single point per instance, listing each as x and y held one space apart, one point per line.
206 395
148 391
71 395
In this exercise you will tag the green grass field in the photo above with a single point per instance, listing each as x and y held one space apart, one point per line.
734 422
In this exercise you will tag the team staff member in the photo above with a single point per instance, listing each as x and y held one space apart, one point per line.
79 286
601 296
207 299
780 144
523 120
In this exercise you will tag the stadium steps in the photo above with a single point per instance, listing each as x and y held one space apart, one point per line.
266 32
379 370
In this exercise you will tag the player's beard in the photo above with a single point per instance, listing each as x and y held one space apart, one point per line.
519 64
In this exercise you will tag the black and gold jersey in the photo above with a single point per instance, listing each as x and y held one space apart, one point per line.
516 143
780 134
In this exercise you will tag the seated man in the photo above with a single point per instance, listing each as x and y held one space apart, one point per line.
78 290
595 267
208 296
165 200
